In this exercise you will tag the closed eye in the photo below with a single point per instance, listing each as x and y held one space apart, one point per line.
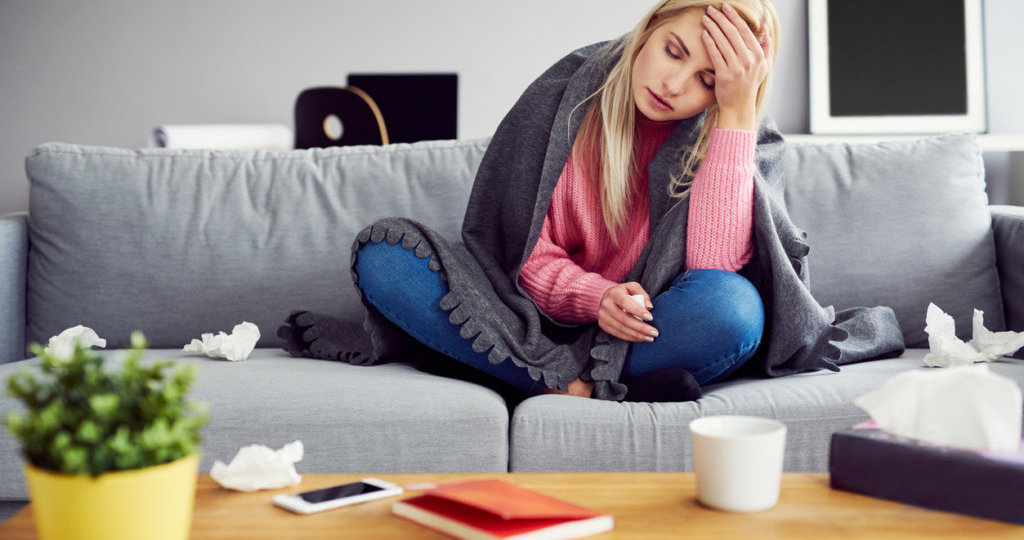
707 80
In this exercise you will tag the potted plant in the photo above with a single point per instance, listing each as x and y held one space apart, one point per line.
110 453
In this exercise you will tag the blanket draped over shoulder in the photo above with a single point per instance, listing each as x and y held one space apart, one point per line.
507 206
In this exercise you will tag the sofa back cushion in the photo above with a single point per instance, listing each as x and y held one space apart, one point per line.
180 242
899 223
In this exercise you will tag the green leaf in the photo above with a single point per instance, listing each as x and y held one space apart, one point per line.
139 340
89 432
48 419
62 441
104 405
17 423
76 460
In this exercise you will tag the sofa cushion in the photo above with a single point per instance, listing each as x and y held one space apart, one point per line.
562 433
899 223
181 242
359 419
1008 227
13 263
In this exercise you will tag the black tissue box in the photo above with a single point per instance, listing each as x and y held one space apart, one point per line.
973 482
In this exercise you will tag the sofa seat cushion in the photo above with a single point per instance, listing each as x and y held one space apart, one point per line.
359 419
561 433
900 223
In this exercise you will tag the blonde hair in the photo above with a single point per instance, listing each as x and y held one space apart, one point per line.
605 140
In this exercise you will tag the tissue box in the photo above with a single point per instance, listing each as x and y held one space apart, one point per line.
973 482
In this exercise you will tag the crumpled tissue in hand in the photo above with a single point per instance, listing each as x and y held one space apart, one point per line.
967 406
947 350
63 345
258 467
234 347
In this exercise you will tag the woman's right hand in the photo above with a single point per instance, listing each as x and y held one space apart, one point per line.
620 315
741 61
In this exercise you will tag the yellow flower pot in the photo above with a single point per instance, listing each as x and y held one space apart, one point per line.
153 503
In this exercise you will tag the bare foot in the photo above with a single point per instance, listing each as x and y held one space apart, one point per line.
577 388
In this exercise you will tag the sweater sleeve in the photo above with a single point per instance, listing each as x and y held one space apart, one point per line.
562 289
719 224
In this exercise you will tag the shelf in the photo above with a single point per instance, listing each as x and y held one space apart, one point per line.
994 142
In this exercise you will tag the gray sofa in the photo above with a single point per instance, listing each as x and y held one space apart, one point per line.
178 243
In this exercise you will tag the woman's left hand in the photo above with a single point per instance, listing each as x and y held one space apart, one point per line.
741 61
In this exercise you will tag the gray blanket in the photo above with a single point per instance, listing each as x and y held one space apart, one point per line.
506 209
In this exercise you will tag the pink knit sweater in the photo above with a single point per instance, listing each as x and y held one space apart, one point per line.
575 261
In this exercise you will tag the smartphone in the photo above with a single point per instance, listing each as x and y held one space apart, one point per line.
319 500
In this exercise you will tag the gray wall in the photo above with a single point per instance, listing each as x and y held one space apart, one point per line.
105 72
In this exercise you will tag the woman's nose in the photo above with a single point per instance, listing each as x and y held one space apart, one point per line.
675 82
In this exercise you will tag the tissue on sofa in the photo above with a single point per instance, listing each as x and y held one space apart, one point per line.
947 350
63 345
233 347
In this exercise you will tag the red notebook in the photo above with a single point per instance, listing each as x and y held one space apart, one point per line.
488 509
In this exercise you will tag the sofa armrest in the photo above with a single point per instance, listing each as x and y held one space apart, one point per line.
1008 227
13 270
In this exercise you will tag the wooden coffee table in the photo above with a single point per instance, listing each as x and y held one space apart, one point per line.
645 505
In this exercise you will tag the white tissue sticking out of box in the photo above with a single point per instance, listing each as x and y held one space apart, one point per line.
63 345
258 467
947 350
967 406
234 347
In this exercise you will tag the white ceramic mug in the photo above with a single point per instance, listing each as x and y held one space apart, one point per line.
738 461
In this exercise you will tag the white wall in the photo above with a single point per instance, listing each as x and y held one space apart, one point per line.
105 72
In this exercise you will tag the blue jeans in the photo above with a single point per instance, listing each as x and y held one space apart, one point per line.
710 321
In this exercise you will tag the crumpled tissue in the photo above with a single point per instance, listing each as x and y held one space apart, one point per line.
947 350
63 345
234 347
967 406
258 467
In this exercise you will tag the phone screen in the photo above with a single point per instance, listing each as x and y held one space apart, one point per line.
338 492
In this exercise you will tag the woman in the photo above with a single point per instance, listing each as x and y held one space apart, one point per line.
685 61
615 205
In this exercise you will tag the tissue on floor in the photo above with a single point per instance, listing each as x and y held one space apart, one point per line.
234 347
947 350
257 467
965 406
63 345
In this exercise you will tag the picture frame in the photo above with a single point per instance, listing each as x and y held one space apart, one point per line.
907 67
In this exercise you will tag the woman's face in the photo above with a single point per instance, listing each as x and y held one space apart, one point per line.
673 77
